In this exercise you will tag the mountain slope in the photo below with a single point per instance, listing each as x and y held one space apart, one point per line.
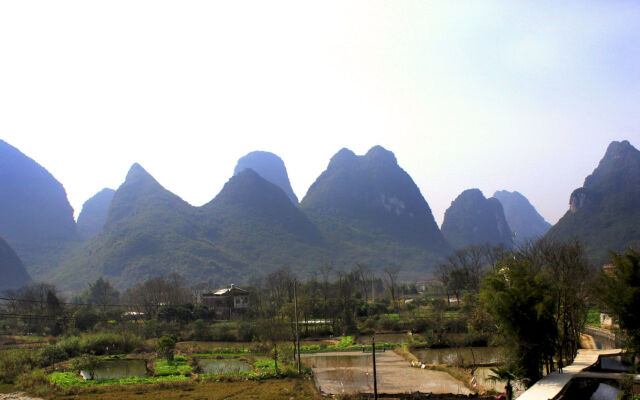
36 218
148 231
12 271
473 219
522 217
250 227
94 213
605 213
255 218
372 211
270 167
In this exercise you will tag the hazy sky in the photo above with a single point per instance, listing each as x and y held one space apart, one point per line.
515 95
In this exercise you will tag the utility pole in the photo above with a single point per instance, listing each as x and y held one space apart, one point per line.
375 377
295 295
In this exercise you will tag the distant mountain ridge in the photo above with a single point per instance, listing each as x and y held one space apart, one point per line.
473 219
605 212
372 193
94 213
12 271
270 167
523 219
36 218
252 227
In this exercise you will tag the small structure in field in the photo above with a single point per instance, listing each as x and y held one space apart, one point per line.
226 302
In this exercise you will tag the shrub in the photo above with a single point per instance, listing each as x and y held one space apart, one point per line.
419 324
200 331
35 381
51 354
85 319
166 345
388 323
245 331
70 345
224 332
87 363
14 363
109 343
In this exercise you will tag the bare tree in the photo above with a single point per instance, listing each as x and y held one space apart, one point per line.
391 279
147 297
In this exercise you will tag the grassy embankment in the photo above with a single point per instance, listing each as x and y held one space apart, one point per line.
275 389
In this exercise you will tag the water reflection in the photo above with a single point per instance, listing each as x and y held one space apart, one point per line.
337 373
117 369
384 338
219 365
461 356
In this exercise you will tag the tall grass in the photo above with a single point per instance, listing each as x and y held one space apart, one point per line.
109 343
14 363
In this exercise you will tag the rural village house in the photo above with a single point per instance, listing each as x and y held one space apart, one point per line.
226 302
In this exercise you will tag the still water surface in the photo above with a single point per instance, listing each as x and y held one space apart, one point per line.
352 372
461 355
218 365
117 369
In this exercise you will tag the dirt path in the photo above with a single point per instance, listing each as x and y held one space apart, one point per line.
17 396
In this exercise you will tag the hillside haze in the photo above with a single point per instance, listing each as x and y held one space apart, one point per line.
605 213
12 271
369 212
522 217
94 213
36 218
373 212
270 167
473 219
251 227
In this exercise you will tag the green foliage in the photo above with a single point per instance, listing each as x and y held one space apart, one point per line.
109 343
593 318
51 354
165 346
14 363
67 379
178 365
620 294
346 344
36 379
520 300
70 345
345 341
85 319
87 363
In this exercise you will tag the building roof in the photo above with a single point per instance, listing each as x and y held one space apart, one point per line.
227 291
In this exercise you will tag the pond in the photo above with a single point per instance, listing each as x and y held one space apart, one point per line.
461 355
384 338
226 365
117 369
351 372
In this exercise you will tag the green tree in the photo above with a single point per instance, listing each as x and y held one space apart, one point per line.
165 346
620 294
520 299
100 293
87 363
